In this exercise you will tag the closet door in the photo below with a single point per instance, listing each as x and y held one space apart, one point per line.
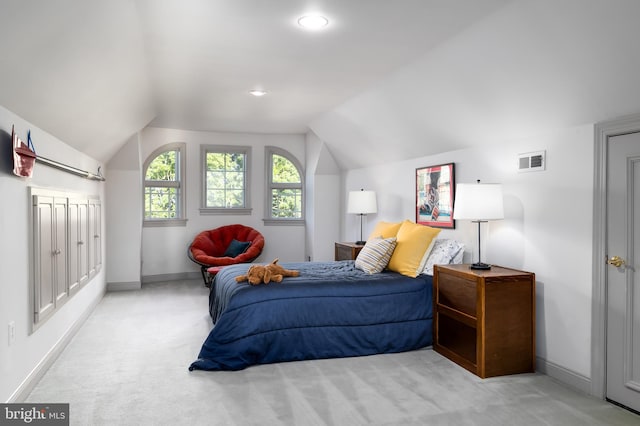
78 244
61 284
95 236
98 234
44 257
66 247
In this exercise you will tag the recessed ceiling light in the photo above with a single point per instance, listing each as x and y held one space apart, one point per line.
258 93
313 22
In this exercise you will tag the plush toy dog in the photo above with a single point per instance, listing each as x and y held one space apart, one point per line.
257 274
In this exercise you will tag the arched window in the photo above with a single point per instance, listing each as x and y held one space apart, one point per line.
164 186
285 188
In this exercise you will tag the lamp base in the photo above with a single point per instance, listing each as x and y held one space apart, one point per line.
360 243
480 265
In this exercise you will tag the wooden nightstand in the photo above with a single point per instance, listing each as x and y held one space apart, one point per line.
347 251
485 320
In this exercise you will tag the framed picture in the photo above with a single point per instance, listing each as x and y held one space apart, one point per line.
435 186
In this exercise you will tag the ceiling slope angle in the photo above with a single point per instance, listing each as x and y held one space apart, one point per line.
526 70
76 70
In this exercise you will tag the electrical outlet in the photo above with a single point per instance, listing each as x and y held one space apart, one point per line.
12 332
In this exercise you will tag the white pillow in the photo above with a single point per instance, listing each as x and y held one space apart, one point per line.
457 260
444 251
427 254
375 255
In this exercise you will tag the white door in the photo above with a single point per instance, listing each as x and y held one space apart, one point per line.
60 250
78 244
45 254
623 284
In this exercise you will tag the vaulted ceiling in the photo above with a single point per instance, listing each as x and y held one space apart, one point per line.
408 77
92 73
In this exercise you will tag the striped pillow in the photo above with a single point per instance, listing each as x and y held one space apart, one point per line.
375 255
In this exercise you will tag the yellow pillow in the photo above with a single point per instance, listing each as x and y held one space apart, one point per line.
414 242
385 230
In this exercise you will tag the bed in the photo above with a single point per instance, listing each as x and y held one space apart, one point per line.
331 310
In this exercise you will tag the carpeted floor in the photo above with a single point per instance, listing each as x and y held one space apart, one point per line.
128 365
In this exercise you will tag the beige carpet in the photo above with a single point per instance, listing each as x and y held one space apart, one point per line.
128 365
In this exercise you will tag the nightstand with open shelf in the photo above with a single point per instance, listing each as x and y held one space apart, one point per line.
484 320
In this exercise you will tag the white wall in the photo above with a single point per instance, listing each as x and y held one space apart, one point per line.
164 250
547 227
124 216
26 355
324 188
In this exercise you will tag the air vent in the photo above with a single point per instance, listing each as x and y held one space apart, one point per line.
532 161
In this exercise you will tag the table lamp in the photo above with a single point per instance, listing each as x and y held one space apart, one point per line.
362 203
478 202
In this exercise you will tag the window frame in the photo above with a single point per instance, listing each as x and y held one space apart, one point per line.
270 151
240 149
180 183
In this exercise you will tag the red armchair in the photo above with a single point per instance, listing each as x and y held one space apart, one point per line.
215 247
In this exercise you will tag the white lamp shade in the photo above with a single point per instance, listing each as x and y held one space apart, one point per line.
478 201
362 202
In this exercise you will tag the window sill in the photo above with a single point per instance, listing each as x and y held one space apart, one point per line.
235 211
162 223
283 222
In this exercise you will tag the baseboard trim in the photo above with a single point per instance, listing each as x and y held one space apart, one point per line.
570 378
124 286
27 385
171 277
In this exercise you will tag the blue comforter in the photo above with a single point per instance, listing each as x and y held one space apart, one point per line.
331 310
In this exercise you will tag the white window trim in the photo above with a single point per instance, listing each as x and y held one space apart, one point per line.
246 210
181 220
272 221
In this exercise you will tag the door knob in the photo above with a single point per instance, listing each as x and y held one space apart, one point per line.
616 261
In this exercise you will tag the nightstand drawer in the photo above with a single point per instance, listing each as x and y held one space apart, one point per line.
458 293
